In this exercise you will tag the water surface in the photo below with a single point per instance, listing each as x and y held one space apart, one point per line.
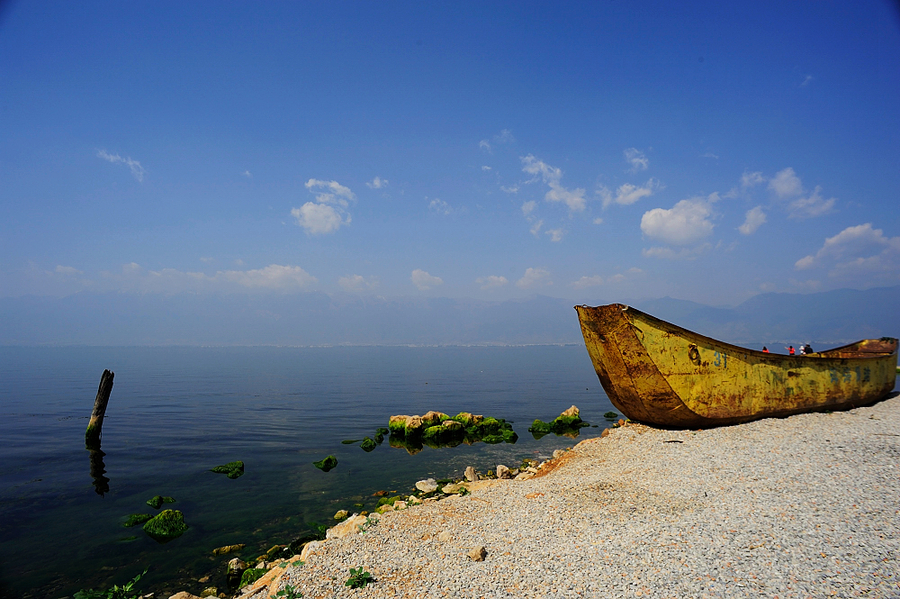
176 412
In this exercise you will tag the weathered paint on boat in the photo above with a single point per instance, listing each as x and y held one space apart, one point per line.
662 374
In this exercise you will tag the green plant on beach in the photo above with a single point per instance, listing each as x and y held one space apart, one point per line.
126 591
358 578
369 523
289 592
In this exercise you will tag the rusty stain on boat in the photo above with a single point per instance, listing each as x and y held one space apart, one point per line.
659 373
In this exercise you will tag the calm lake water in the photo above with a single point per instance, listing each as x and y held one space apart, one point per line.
176 412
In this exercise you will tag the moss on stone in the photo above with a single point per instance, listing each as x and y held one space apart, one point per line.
251 575
165 526
135 519
326 463
231 469
157 500
368 444
389 500
540 427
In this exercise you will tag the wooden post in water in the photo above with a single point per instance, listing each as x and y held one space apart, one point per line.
92 434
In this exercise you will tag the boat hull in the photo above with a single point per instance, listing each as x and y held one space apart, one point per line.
661 374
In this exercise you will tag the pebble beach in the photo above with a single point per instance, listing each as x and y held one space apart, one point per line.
806 506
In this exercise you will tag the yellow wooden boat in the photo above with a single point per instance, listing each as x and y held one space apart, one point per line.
661 374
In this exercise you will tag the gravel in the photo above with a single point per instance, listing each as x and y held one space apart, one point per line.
806 506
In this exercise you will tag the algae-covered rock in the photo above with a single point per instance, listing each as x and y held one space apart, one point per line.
397 424
233 571
251 575
368 444
465 418
540 427
231 469
135 519
228 549
165 526
567 423
157 501
326 463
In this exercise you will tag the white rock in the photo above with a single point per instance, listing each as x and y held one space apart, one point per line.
348 526
429 485
470 474
502 471
307 549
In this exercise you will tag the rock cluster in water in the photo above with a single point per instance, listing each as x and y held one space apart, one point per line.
566 424
437 429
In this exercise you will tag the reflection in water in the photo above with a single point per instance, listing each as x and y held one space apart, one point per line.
98 469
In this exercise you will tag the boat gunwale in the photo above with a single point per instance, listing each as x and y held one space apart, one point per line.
769 356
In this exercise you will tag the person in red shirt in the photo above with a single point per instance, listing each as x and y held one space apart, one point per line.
790 349
765 349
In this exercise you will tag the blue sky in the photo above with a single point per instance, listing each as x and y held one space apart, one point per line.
489 150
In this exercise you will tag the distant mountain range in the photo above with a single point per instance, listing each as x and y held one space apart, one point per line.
774 319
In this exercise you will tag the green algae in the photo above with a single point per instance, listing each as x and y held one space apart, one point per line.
326 463
368 444
135 519
156 501
231 469
165 526
251 575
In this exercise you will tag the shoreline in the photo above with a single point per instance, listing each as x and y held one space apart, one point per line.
796 507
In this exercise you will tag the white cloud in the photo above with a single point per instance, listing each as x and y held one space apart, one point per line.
551 176
858 253
329 212
556 235
136 169
492 282
685 223
358 283
628 193
334 193
710 155
486 168
424 281
534 277
67 270
377 183
248 174
636 159
510 189
319 218
811 206
807 80
440 206
275 277
752 179
598 221
536 227
504 137
587 282
528 207
753 220
786 183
